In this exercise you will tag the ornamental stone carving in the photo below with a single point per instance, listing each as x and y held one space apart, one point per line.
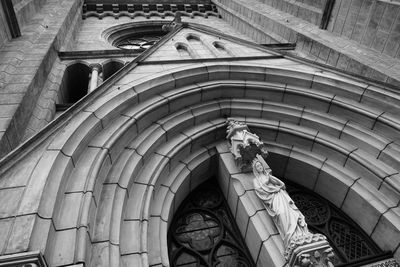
244 144
173 24
271 191
302 248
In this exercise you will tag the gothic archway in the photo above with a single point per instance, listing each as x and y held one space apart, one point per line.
129 154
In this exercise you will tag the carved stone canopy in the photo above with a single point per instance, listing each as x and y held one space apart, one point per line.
245 145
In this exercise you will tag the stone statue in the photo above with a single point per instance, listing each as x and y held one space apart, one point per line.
287 217
302 248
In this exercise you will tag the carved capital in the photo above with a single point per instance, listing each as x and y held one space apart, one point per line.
96 66
309 251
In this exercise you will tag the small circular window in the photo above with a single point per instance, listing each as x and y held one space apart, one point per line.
135 36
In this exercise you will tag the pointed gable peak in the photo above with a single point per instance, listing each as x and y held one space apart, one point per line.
193 41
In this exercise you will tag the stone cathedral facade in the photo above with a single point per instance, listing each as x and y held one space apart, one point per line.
113 148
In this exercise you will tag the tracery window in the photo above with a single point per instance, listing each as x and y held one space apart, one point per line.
349 242
203 232
137 36
139 43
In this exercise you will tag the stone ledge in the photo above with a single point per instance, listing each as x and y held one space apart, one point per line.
384 263
25 259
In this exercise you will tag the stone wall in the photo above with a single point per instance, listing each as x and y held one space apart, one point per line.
372 23
101 184
25 63
312 43
309 10
26 9
4 31
91 35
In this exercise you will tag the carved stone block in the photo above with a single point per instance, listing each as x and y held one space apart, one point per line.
312 250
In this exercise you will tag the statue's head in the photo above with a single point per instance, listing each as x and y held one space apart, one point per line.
259 165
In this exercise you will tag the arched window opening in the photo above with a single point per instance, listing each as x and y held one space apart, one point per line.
183 50
193 38
203 232
75 83
74 86
221 49
350 243
197 44
110 68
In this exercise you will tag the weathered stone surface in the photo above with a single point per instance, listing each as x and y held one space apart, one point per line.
122 160
20 234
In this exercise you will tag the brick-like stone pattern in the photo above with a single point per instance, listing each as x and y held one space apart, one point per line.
312 43
45 108
309 10
25 63
90 35
5 35
101 184
26 9
372 23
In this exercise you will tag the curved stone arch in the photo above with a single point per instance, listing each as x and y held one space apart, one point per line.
165 93
74 82
111 66
116 33
222 48
193 36
78 61
121 61
185 50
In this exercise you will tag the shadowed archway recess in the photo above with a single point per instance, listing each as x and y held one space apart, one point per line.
131 152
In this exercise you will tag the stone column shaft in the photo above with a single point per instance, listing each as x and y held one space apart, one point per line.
94 78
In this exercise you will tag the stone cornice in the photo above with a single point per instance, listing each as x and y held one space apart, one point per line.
147 10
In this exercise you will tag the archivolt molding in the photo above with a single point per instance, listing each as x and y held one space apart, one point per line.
131 155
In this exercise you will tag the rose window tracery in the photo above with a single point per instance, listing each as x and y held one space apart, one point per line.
203 232
139 43
199 231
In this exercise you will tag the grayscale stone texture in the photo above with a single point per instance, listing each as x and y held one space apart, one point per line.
98 184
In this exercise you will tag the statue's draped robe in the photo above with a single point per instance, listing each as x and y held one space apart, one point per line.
287 217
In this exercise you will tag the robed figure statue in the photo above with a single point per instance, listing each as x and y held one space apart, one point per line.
302 248
287 217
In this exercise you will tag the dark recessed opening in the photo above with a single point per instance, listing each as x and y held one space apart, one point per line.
75 83
110 68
